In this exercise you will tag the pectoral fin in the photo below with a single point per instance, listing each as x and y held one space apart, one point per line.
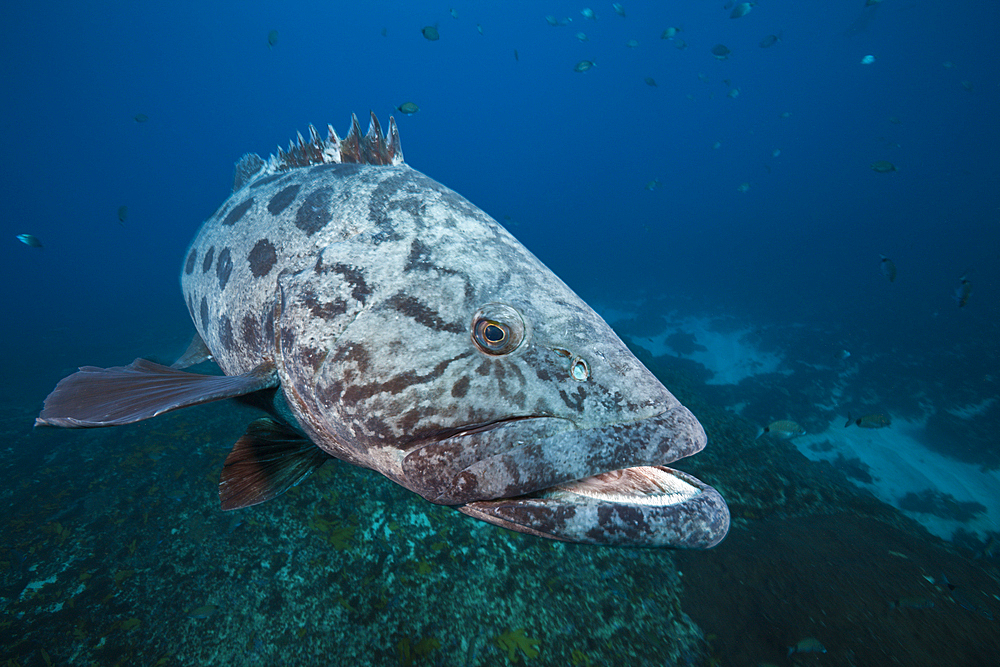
94 397
195 353
268 460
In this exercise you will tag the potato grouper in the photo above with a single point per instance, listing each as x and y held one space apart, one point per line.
382 319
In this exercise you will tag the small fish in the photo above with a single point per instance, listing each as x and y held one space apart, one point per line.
453 12
140 118
874 420
29 239
786 114
670 33
721 52
617 6
962 292
769 41
888 268
717 145
272 39
409 108
742 9
479 27
430 33
883 166
844 355
743 187
583 66
588 13
553 21
582 37
650 81
776 152
203 611
783 428
868 60
967 85
632 43
654 184
122 215
733 93
807 645
680 44
516 56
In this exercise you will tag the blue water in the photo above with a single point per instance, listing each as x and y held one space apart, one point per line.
559 157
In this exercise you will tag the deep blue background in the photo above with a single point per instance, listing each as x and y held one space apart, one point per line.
565 155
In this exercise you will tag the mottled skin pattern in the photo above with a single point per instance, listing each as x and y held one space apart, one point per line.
362 284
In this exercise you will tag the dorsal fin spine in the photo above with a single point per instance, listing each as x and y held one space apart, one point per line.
374 147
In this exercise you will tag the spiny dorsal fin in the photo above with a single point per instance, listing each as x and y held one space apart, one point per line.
372 148
246 170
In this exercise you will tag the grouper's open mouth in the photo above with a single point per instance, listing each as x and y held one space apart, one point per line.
649 506
603 485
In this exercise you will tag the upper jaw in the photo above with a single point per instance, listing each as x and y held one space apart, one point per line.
529 455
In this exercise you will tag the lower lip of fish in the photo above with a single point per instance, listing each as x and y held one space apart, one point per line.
650 506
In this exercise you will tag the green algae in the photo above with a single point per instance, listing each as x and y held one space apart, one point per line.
512 640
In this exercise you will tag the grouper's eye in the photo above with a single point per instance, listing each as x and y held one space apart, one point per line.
497 329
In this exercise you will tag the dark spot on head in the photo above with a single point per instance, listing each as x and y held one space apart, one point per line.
204 314
286 196
206 263
192 257
251 331
574 401
226 332
400 382
238 212
419 257
353 354
379 204
267 179
407 422
314 213
262 258
460 388
224 267
412 308
360 290
312 357
485 367
324 310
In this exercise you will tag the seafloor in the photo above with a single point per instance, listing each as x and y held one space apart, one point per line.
115 551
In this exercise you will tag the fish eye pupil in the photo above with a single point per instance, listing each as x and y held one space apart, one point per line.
494 334
497 329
